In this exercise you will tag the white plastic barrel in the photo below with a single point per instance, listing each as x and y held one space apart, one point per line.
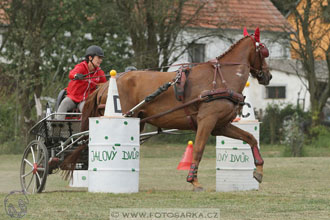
79 178
114 155
235 162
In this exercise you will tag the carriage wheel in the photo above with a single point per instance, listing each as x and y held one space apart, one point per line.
34 167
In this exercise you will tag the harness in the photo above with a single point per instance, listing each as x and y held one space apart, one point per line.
205 96
179 86
181 78
179 83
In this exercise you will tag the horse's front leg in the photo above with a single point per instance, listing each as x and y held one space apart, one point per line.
237 133
205 126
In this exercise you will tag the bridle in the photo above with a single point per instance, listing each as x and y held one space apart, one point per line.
262 52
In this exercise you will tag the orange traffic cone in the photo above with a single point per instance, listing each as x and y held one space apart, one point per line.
237 119
186 158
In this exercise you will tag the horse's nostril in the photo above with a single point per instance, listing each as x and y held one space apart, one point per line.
270 77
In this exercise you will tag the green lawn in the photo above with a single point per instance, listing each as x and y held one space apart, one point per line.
293 188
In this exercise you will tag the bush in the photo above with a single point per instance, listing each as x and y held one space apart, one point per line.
271 128
293 135
319 136
14 146
10 140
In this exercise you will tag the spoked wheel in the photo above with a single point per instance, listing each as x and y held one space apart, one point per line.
34 167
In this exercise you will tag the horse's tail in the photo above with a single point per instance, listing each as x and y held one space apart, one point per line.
69 163
90 109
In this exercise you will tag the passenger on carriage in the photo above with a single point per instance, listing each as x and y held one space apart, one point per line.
84 79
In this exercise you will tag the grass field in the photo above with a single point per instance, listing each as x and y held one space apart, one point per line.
293 188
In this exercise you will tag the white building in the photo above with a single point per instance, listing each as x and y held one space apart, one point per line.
223 22
3 26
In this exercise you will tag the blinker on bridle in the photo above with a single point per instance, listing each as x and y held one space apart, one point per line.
263 53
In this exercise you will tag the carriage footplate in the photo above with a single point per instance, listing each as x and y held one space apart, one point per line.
192 173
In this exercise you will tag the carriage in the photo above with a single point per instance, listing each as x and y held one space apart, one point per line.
54 141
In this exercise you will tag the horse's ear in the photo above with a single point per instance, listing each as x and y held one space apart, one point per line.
245 33
257 35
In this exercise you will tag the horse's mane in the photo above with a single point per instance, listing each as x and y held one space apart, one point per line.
122 74
232 47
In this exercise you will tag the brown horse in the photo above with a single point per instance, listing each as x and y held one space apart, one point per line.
215 88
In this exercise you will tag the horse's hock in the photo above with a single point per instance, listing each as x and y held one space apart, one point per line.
235 162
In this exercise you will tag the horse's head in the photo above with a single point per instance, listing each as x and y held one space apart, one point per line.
258 66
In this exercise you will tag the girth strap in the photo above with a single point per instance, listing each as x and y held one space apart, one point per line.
190 119
182 75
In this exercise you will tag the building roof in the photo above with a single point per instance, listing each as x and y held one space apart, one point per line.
3 18
291 66
237 14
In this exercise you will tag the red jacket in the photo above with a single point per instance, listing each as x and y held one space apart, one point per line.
78 90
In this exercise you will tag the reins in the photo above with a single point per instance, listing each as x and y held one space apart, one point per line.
90 73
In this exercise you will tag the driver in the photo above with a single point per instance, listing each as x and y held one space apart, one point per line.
83 81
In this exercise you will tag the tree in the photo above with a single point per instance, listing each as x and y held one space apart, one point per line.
154 27
284 6
45 39
311 44
23 43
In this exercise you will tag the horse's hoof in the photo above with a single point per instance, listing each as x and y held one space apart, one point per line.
257 176
198 189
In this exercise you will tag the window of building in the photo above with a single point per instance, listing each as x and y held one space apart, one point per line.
285 51
196 53
275 92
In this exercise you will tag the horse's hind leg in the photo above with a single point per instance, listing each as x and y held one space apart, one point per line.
205 127
237 133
